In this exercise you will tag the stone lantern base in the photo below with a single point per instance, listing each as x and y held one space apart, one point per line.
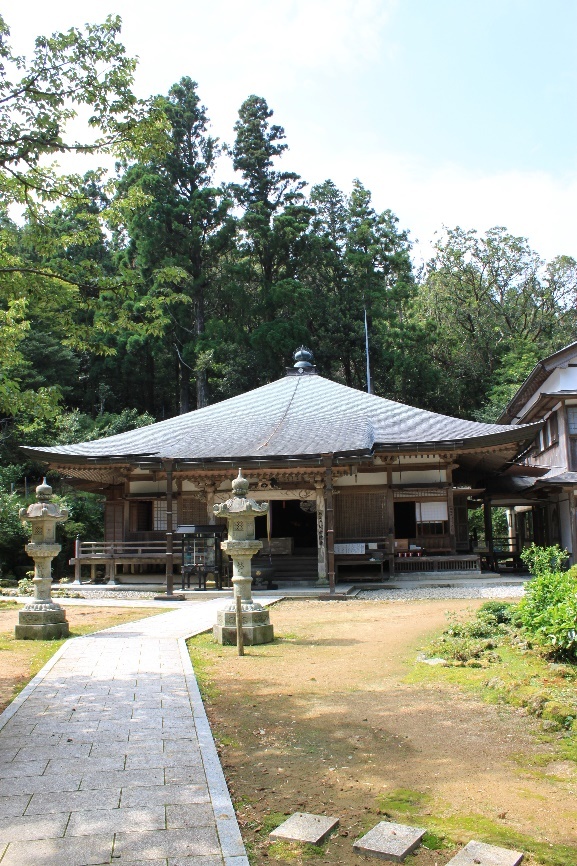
41 622
256 626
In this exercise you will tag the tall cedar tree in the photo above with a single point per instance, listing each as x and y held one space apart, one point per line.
273 240
180 231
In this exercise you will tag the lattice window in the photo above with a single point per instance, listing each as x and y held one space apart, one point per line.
359 516
192 511
418 493
159 515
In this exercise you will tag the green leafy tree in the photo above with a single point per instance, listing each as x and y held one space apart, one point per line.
69 72
494 303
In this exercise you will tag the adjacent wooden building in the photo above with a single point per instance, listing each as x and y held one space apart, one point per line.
358 485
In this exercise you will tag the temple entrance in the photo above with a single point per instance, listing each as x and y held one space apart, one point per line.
291 518
405 520
293 531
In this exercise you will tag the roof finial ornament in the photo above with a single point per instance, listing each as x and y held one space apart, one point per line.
303 358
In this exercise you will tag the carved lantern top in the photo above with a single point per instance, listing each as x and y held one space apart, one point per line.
43 515
240 511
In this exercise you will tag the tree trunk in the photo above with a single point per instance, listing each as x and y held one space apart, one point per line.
201 375
184 392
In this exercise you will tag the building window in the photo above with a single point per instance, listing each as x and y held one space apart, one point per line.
549 434
159 515
359 516
572 420
192 511
572 430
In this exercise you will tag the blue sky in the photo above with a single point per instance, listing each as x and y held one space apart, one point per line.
453 112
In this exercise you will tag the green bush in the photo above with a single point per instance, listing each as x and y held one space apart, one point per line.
501 612
544 560
25 587
548 612
470 640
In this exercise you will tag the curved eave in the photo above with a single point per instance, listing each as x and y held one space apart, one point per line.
518 435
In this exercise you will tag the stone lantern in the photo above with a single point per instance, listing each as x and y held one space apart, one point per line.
42 618
241 546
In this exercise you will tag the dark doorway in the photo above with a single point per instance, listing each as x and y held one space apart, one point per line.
289 520
405 523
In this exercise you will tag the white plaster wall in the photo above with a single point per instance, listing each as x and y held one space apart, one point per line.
361 478
423 476
561 379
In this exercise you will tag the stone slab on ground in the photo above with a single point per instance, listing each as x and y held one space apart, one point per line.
480 854
305 827
389 841
109 736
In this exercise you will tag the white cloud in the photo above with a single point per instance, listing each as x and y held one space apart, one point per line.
534 205
310 59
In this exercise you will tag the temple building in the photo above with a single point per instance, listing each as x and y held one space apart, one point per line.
358 486
539 490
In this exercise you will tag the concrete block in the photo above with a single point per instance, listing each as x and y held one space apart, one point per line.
480 854
121 779
189 815
253 635
192 842
12 807
93 822
41 625
164 795
304 827
73 801
33 827
42 631
389 841
83 851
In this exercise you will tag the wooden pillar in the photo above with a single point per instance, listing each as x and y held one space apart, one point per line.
210 491
451 511
488 528
77 565
390 520
571 496
330 519
321 537
511 529
169 535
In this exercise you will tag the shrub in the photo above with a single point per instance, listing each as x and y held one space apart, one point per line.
501 612
25 587
543 560
563 714
549 610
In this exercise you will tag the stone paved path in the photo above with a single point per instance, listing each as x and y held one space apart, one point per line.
107 756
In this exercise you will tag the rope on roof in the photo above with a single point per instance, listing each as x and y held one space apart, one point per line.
285 413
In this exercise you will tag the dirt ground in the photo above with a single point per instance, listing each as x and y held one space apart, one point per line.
323 721
22 659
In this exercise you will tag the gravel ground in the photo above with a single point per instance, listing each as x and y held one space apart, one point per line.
443 592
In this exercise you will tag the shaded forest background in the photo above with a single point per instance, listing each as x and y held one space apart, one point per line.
130 296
